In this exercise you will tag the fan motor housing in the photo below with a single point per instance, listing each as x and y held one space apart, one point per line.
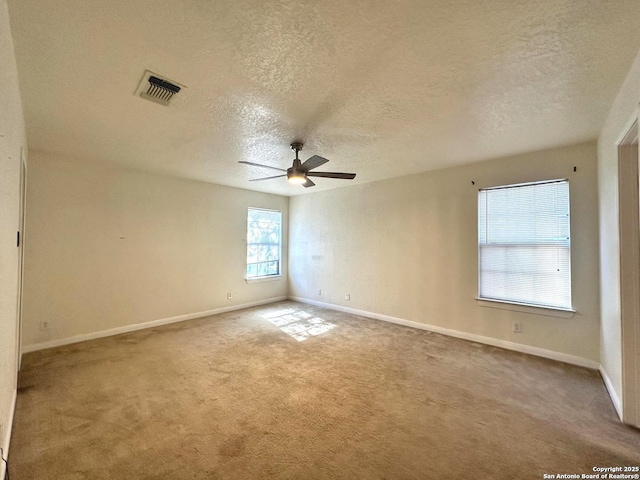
296 172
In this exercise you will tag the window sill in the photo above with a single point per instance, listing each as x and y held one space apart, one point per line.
269 278
526 308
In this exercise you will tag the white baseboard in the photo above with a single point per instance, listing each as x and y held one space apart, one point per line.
4 442
617 404
140 326
540 352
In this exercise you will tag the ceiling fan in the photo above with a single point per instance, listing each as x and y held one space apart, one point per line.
299 172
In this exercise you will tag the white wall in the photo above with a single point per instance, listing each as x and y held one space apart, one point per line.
622 113
12 141
407 248
111 247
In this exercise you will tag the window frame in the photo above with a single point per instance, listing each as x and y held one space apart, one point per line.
273 276
515 305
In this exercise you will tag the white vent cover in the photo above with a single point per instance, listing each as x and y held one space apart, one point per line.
158 89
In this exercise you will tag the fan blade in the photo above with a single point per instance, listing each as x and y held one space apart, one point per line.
265 178
263 166
308 183
345 176
314 162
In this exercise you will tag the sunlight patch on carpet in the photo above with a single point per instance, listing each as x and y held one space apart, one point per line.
298 323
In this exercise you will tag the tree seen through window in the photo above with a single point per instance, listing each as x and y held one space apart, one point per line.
263 242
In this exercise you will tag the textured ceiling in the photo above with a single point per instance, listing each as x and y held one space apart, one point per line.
380 88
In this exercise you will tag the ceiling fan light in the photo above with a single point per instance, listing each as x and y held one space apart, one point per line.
297 178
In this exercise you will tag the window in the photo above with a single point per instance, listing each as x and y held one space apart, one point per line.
524 247
264 229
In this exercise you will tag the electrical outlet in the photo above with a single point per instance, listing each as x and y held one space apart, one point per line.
44 325
319 292
347 296
229 296
517 327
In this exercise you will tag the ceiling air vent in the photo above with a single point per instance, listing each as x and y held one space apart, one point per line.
158 89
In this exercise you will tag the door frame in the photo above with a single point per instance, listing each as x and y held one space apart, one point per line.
629 227
21 225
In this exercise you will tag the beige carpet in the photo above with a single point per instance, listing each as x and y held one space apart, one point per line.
238 396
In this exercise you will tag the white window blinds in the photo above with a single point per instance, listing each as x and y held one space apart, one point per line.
524 247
